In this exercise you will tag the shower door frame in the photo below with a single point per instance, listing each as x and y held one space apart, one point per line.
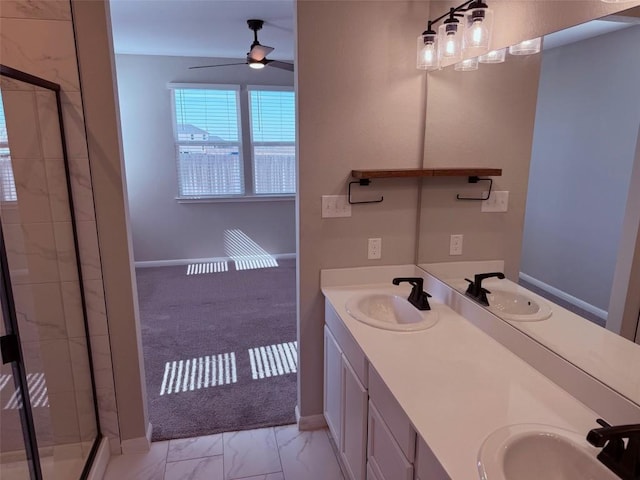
31 444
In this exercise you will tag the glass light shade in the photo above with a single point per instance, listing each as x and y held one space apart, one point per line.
467 65
528 47
479 25
256 64
450 42
494 56
428 52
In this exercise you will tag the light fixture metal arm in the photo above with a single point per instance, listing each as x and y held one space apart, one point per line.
452 11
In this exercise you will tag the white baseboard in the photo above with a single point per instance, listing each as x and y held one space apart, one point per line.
310 422
138 445
188 261
598 312
99 465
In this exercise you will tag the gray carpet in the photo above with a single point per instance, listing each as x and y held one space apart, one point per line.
189 323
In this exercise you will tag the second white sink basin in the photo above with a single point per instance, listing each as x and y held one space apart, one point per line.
389 312
516 306
536 452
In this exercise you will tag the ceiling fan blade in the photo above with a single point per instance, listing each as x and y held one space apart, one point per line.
219 65
258 52
282 65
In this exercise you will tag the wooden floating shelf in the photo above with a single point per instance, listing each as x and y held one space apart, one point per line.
427 172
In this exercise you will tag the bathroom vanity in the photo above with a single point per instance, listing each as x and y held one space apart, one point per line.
446 401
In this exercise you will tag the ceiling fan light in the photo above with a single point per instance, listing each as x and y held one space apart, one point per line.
255 64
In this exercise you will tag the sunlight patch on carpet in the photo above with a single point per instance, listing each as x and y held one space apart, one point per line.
273 360
208 267
197 373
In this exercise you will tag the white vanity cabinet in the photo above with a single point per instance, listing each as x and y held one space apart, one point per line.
373 434
345 398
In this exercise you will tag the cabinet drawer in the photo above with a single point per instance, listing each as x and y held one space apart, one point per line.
350 349
383 453
393 415
427 465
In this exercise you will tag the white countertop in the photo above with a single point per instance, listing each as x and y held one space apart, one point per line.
455 383
596 350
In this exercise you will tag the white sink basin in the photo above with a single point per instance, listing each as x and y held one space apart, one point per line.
536 452
517 306
389 312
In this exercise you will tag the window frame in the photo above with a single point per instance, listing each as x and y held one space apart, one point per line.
245 144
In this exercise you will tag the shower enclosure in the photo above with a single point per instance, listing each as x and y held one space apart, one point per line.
48 414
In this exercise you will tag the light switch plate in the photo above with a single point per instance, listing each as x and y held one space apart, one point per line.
335 206
455 244
498 201
374 251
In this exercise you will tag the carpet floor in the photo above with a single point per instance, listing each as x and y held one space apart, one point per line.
219 348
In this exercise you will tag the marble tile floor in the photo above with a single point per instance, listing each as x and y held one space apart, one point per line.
275 453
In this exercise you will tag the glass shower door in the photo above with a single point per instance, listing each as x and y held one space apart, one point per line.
44 283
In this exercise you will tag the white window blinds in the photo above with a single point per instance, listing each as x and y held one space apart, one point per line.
7 183
207 133
273 141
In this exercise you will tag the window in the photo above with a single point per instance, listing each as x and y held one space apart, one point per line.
273 134
7 183
212 160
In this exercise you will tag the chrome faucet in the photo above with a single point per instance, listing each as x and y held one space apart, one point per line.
418 297
622 460
475 289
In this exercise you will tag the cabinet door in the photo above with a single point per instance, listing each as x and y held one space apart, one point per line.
354 427
332 386
385 456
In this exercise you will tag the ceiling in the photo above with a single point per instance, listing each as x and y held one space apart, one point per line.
201 28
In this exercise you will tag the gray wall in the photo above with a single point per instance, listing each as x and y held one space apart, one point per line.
162 228
584 146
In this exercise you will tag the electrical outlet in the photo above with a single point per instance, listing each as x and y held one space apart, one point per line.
497 202
335 206
455 245
375 249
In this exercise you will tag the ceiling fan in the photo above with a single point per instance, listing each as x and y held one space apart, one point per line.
257 55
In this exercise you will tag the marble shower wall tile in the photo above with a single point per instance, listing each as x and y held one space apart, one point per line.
44 48
96 308
64 417
57 187
108 416
40 312
72 305
102 368
30 180
36 9
89 250
56 365
81 189
74 128
87 421
66 251
31 252
49 124
21 109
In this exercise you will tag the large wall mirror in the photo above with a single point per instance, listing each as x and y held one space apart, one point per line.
564 127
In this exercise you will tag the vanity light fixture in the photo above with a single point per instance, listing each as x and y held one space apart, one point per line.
494 56
467 65
454 37
527 47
